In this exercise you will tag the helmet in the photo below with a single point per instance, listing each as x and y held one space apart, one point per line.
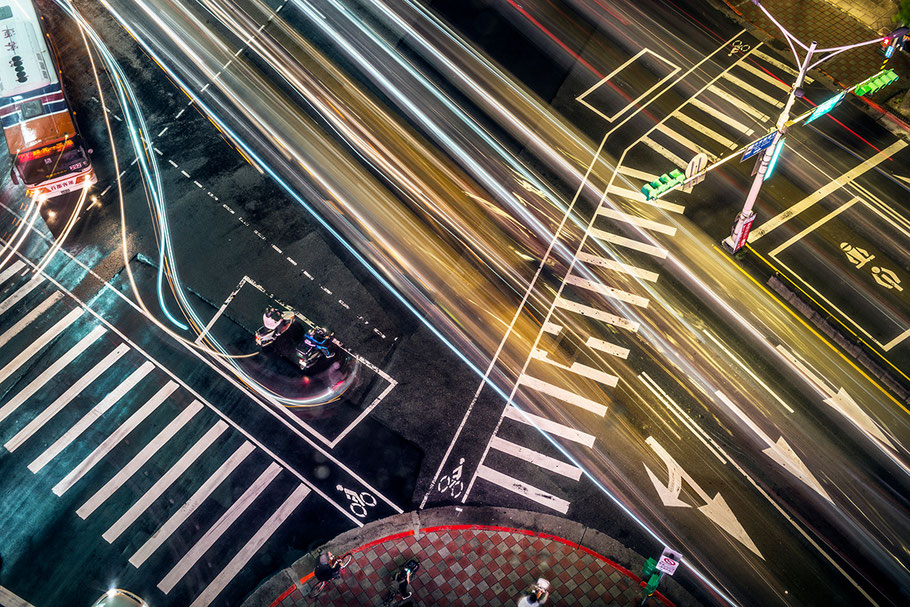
271 318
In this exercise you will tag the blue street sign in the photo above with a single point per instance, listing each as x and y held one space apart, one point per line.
758 146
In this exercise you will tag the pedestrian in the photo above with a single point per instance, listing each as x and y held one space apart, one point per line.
404 578
537 595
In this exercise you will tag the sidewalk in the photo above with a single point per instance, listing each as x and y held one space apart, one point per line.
469 564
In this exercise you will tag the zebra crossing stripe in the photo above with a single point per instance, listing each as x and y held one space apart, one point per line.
635 220
13 268
64 399
251 547
577 368
162 484
217 530
765 76
8 599
562 394
740 83
607 348
635 300
681 139
139 460
622 241
39 343
20 293
29 318
738 103
89 418
610 319
635 196
549 426
114 439
618 266
49 373
186 510
673 158
533 457
516 486
704 129
720 116
780 65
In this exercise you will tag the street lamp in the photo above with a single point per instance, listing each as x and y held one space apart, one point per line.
740 233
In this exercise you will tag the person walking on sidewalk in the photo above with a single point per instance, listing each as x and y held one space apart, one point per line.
537 595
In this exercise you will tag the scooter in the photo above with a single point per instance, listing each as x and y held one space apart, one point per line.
305 348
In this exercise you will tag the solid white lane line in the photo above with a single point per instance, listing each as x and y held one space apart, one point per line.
29 318
764 76
11 269
21 292
186 510
618 266
139 460
251 547
164 482
597 287
549 426
39 343
610 319
738 103
49 373
681 139
8 599
811 228
562 394
516 486
742 84
635 220
217 530
718 115
607 348
533 457
673 158
827 189
637 197
635 245
89 418
64 399
705 130
114 439
578 368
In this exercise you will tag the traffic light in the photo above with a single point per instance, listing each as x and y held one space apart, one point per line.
663 183
649 568
651 586
880 80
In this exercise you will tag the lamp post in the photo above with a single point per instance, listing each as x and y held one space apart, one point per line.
740 232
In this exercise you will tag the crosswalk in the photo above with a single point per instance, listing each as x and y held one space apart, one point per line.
110 434
622 253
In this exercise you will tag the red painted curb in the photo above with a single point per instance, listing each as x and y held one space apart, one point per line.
283 596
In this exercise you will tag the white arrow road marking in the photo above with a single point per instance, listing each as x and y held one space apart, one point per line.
779 451
715 508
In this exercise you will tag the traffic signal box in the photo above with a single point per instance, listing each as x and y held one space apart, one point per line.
663 183
880 80
651 573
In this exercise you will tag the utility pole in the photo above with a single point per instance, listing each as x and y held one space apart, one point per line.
739 235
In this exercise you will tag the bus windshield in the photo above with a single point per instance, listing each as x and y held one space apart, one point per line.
51 161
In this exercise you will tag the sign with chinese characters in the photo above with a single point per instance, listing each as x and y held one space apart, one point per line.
758 146
669 560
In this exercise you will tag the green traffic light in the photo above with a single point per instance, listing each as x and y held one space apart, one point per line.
871 85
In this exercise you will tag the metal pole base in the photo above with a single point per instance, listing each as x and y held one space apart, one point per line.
740 233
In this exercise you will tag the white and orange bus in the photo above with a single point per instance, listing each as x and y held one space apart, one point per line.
47 151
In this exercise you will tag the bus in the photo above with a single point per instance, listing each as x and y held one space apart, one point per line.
48 156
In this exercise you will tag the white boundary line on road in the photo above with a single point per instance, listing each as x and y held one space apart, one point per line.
8 599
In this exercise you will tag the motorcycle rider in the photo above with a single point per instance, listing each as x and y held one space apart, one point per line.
276 322
318 338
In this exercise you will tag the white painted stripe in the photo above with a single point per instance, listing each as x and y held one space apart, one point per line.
139 460
716 114
516 486
164 482
29 318
20 293
537 459
742 84
49 373
597 287
617 266
114 439
635 220
562 394
189 507
738 103
64 399
636 174
637 197
705 130
251 547
8 599
764 76
681 139
828 188
11 269
549 426
552 328
89 418
607 348
39 343
673 158
217 530
809 229
622 241
610 319
578 368
779 64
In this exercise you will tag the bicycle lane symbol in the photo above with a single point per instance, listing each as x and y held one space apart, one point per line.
452 483
360 502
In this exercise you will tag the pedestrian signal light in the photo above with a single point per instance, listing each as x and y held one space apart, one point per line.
880 80
665 182
653 581
649 568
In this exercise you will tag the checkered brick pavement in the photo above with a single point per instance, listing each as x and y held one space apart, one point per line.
477 566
